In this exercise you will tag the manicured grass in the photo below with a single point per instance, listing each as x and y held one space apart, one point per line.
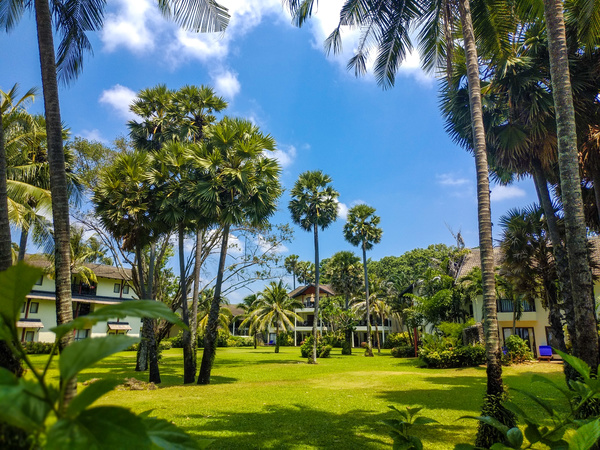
259 399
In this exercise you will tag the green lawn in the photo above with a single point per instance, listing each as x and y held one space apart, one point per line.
259 399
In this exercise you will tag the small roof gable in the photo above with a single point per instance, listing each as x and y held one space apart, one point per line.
310 290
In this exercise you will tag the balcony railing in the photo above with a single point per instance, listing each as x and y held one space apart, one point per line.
83 289
505 305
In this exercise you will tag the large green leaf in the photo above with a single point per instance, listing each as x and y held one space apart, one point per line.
586 436
129 308
84 353
21 402
164 434
489 421
514 437
576 363
15 283
103 427
89 395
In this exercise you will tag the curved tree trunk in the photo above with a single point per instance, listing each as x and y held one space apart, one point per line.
210 335
585 342
313 358
369 351
58 178
189 366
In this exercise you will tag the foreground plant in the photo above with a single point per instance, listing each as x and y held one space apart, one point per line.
537 434
40 407
400 428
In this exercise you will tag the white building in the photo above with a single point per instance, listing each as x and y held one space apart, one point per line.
38 314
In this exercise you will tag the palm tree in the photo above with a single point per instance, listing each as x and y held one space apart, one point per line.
361 230
585 343
204 305
248 305
291 266
275 308
239 185
314 205
345 279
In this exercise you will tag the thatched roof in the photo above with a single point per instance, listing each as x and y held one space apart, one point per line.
310 290
101 270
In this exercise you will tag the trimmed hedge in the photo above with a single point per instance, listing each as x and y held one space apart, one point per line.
463 356
403 351
38 348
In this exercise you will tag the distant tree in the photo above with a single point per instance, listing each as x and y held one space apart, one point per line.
313 206
361 230
291 266
248 319
274 308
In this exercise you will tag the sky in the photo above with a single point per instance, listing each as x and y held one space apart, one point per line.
384 148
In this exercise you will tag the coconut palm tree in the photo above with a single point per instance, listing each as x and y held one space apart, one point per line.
239 185
313 206
274 308
361 230
248 304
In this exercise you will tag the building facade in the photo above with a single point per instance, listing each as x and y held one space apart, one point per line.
38 314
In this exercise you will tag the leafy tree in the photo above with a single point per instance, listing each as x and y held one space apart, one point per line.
314 205
305 271
248 319
240 185
361 230
275 308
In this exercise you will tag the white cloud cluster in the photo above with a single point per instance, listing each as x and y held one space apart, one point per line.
342 210
119 98
226 83
93 135
286 155
500 193
448 179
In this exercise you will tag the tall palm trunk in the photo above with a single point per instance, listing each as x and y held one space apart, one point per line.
494 369
277 338
189 366
153 369
313 358
377 336
23 243
210 335
585 342
195 296
142 353
58 178
369 351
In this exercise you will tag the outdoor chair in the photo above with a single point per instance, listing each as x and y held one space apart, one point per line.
545 353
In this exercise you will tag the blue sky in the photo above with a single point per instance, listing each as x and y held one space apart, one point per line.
384 148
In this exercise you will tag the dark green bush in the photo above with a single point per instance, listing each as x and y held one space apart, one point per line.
324 353
176 341
335 339
222 336
306 347
240 341
38 348
442 353
286 339
393 340
346 348
517 350
404 351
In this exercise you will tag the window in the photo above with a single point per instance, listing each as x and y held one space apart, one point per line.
81 334
126 289
40 280
526 334
23 307
505 305
117 288
33 308
29 336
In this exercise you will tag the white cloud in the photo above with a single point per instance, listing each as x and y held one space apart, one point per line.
447 179
500 193
226 84
130 26
265 246
119 98
285 156
92 135
342 210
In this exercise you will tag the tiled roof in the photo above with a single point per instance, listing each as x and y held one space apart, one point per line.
473 259
235 311
325 288
101 270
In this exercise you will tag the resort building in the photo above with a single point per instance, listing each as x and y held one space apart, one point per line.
38 314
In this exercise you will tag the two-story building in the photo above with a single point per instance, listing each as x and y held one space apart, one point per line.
303 328
533 326
38 314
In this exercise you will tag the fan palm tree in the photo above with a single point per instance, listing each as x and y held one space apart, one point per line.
291 266
361 230
239 185
274 308
313 206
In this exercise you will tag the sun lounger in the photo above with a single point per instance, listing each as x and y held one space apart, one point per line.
545 353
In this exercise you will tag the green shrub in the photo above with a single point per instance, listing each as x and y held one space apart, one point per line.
39 348
335 339
165 344
176 341
286 339
393 340
239 341
324 353
404 351
307 345
517 350
454 330
442 353
346 348
222 336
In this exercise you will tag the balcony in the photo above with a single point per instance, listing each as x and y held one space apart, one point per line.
83 289
505 305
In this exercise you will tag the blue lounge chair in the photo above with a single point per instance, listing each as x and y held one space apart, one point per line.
545 353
